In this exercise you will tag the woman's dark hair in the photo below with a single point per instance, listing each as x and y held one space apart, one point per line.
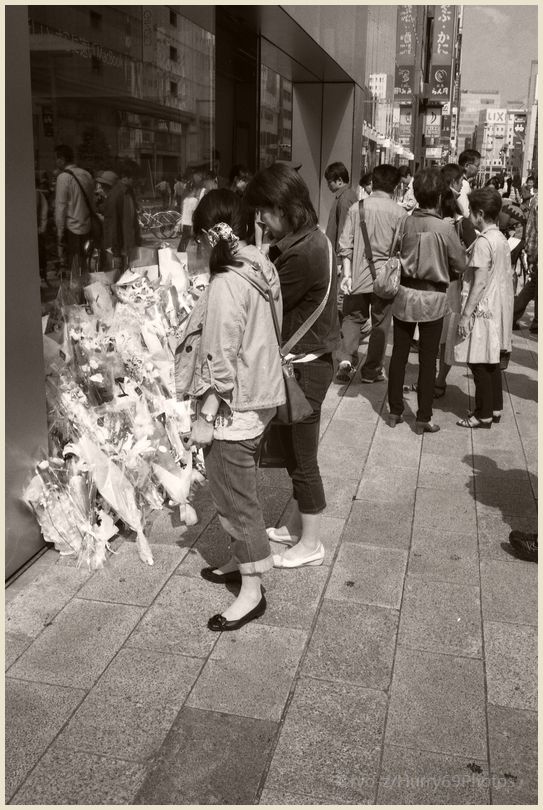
239 172
451 173
282 187
385 178
428 187
366 179
488 200
221 205
336 171
405 171
449 205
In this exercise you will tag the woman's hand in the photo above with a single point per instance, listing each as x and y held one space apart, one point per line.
463 326
201 434
346 285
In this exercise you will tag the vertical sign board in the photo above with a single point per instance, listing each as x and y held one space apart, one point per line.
442 53
406 42
519 125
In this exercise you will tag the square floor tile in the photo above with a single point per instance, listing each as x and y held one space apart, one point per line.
35 713
250 673
513 755
65 778
439 556
367 574
493 531
329 744
437 704
354 643
509 591
210 758
457 510
389 486
442 617
376 524
79 644
339 494
293 596
511 665
410 776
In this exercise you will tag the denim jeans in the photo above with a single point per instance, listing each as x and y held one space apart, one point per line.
356 311
301 441
488 388
429 335
231 472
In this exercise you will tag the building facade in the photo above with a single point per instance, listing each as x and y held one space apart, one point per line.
171 88
472 103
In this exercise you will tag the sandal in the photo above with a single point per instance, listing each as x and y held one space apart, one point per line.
439 391
474 423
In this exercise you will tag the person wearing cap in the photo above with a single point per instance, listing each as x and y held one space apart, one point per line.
121 226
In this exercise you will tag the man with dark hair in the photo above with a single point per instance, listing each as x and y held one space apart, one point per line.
74 203
469 161
381 216
337 177
121 226
365 186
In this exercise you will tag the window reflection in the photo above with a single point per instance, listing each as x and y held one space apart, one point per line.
275 117
121 85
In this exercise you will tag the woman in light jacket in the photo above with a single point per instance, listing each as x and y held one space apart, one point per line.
229 363
304 260
431 255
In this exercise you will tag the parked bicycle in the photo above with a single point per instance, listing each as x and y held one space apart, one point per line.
166 223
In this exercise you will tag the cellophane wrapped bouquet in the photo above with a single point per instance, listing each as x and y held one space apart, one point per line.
115 425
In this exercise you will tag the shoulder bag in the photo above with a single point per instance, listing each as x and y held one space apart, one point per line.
386 280
97 229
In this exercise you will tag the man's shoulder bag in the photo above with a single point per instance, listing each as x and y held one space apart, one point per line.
97 229
386 280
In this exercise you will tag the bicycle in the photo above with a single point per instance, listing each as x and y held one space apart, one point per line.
167 223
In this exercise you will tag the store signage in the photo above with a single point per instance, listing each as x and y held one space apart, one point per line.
496 116
406 45
446 125
519 125
148 34
432 124
433 152
405 123
404 82
442 52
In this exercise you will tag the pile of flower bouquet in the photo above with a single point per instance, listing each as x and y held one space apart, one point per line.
115 425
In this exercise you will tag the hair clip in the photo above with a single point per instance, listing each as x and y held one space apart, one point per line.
222 231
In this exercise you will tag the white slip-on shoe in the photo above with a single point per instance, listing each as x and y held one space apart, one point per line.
317 558
287 539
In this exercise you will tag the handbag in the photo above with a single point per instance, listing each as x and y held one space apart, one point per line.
97 228
386 280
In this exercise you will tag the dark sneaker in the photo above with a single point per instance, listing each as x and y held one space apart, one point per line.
525 545
344 371
378 378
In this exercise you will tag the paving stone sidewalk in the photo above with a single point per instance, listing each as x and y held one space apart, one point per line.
402 671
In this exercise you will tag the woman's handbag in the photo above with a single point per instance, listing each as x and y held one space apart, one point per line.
386 280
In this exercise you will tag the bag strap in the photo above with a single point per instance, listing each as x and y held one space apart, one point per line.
399 226
366 238
266 292
67 171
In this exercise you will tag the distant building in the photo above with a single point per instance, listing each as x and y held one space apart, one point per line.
472 104
530 149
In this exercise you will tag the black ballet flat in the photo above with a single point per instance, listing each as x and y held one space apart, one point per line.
220 579
218 623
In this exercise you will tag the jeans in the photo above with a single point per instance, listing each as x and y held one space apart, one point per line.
301 441
75 249
429 335
231 472
488 388
356 311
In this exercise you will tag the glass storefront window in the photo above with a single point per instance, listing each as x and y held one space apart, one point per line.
275 117
129 83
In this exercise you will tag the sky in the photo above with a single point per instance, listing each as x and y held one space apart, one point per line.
498 45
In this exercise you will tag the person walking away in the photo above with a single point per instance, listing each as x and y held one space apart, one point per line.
364 186
381 216
234 374
450 211
431 255
164 192
239 178
529 291
121 226
302 256
484 328
74 203
404 195
469 161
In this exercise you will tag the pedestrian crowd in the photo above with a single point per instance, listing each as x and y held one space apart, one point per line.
288 306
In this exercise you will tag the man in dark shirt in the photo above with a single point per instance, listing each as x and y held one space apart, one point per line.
337 177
